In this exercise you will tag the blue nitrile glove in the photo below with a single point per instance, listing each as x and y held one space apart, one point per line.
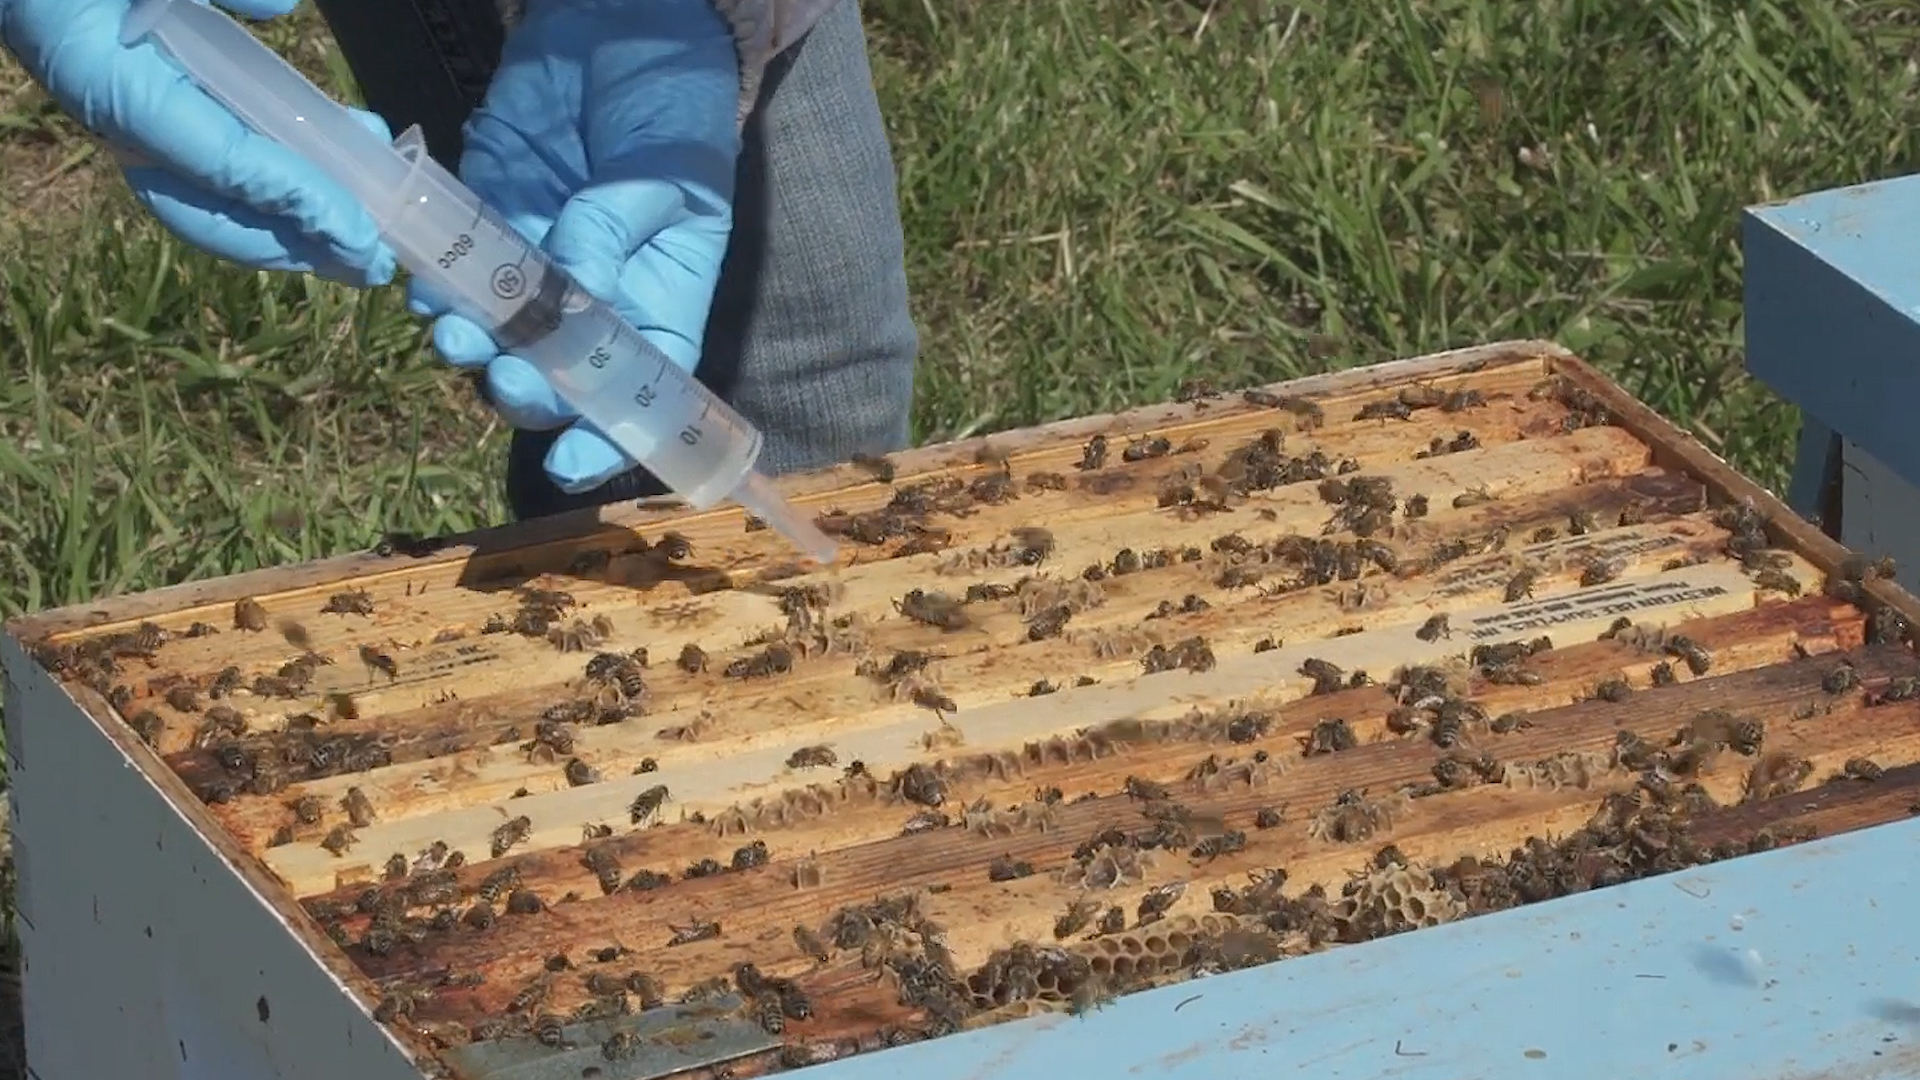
609 134
207 176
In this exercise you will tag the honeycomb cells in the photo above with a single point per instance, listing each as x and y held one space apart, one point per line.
1391 900
1026 978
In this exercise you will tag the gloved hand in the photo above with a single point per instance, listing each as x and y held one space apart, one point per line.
207 176
609 135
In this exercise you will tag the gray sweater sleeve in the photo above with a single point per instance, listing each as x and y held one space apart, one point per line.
762 30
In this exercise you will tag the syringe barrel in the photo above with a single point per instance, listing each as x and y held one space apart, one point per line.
270 95
466 256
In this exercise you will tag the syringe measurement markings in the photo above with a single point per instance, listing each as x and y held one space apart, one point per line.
539 316
504 230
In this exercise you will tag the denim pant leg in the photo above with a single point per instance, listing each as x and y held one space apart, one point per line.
810 335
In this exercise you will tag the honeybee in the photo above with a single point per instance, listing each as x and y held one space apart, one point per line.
1434 629
675 547
700 930
1145 790
808 757
511 833
375 660
646 988
149 726
580 635
1094 454
1600 571
1744 735
531 995
929 698
225 682
1614 689
767 1012
1861 769
922 785
794 1002
411 545
876 465
933 609
1035 543
551 740
1520 586
248 614
351 602
550 1031
775 659
1049 622
647 804
1776 774
1008 868
339 840
1225 843
1698 660
359 808
1328 737
1158 899
620 1046
810 945
400 1004
342 706
307 809
1327 677
623 673
693 659
750 856
1385 409
1076 918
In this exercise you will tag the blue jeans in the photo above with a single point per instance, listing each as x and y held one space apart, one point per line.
810 336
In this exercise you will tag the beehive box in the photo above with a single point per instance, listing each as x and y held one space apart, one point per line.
1082 709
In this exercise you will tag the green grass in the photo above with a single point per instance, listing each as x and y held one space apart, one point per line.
1102 199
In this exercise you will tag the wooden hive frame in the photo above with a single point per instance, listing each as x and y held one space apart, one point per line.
1083 738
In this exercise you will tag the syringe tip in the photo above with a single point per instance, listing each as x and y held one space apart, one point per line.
757 495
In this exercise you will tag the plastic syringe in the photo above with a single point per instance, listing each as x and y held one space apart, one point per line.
466 254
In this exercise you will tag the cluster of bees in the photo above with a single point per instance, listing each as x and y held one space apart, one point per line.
906 514
1411 399
1261 465
95 661
538 615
